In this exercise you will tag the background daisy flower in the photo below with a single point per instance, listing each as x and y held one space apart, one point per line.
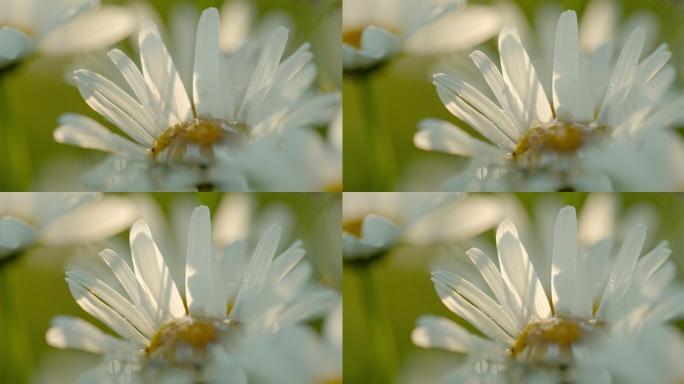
54 27
54 219
375 32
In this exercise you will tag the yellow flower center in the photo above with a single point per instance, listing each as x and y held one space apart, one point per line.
557 335
198 137
353 36
560 140
183 343
353 227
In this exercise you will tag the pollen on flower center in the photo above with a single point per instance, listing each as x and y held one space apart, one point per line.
564 139
183 343
556 335
195 140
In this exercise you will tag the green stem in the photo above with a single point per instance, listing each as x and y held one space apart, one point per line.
15 354
382 340
18 167
379 139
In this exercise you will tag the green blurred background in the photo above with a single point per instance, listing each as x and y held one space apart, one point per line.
38 291
404 94
38 93
404 290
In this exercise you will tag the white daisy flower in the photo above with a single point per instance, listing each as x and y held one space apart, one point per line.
593 299
58 27
596 116
373 223
201 338
55 219
374 32
190 143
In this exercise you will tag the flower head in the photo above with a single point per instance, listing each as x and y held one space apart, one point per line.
592 299
58 26
231 304
373 223
59 218
376 31
192 142
578 139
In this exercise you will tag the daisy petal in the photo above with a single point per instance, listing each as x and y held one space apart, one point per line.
521 77
162 78
205 74
198 264
519 273
154 276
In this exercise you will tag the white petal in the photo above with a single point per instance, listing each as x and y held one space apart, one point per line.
457 31
521 77
650 263
14 235
503 293
438 135
622 271
283 264
625 71
70 332
308 306
480 300
94 306
266 68
129 70
465 112
205 73
124 274
438 332
94 221
569 103
87 133
257 271
198 266
501 90
13 45
482 104
154 276
472 314
519 274
564 276
113 299
162 78
379 231
99 29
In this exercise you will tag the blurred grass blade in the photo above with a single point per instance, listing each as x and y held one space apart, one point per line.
15 355
13 143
